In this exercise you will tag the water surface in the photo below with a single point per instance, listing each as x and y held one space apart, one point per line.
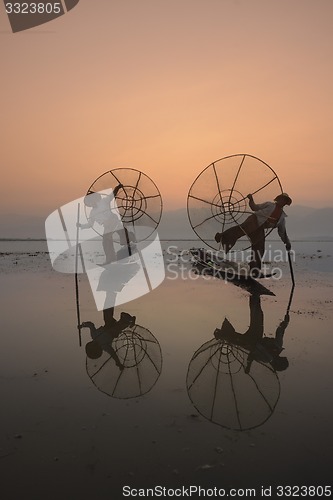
67 437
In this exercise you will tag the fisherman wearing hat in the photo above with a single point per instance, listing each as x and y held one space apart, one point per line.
266 215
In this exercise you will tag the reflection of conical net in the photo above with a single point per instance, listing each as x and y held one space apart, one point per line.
221 390
139 201
217 199
140 354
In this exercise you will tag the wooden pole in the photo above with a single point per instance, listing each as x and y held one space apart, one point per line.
291 269
76 275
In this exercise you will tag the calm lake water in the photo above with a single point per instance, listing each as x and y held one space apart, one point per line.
220 387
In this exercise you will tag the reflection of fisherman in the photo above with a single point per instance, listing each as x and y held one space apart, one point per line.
104 212
269 349
103 336
262 349
267 215
115 278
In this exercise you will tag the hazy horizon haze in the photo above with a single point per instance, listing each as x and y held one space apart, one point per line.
166 88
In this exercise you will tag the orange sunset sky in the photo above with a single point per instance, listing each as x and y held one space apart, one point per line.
167 87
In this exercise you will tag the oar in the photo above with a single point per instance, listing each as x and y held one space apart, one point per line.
76 274
290 299
291 268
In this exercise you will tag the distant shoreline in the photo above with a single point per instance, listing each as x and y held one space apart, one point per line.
322 239
23 239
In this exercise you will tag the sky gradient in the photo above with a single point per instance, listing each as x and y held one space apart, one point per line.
166 87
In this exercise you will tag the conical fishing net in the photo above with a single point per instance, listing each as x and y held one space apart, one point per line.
227 391
132 369
138 201
217 199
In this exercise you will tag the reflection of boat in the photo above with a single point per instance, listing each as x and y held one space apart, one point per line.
138 366
232 379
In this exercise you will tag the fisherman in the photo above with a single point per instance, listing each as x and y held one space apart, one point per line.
105 212
102 337
266 215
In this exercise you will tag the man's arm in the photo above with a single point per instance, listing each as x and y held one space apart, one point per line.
87 225
110 198
255 206
116 189
114 193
